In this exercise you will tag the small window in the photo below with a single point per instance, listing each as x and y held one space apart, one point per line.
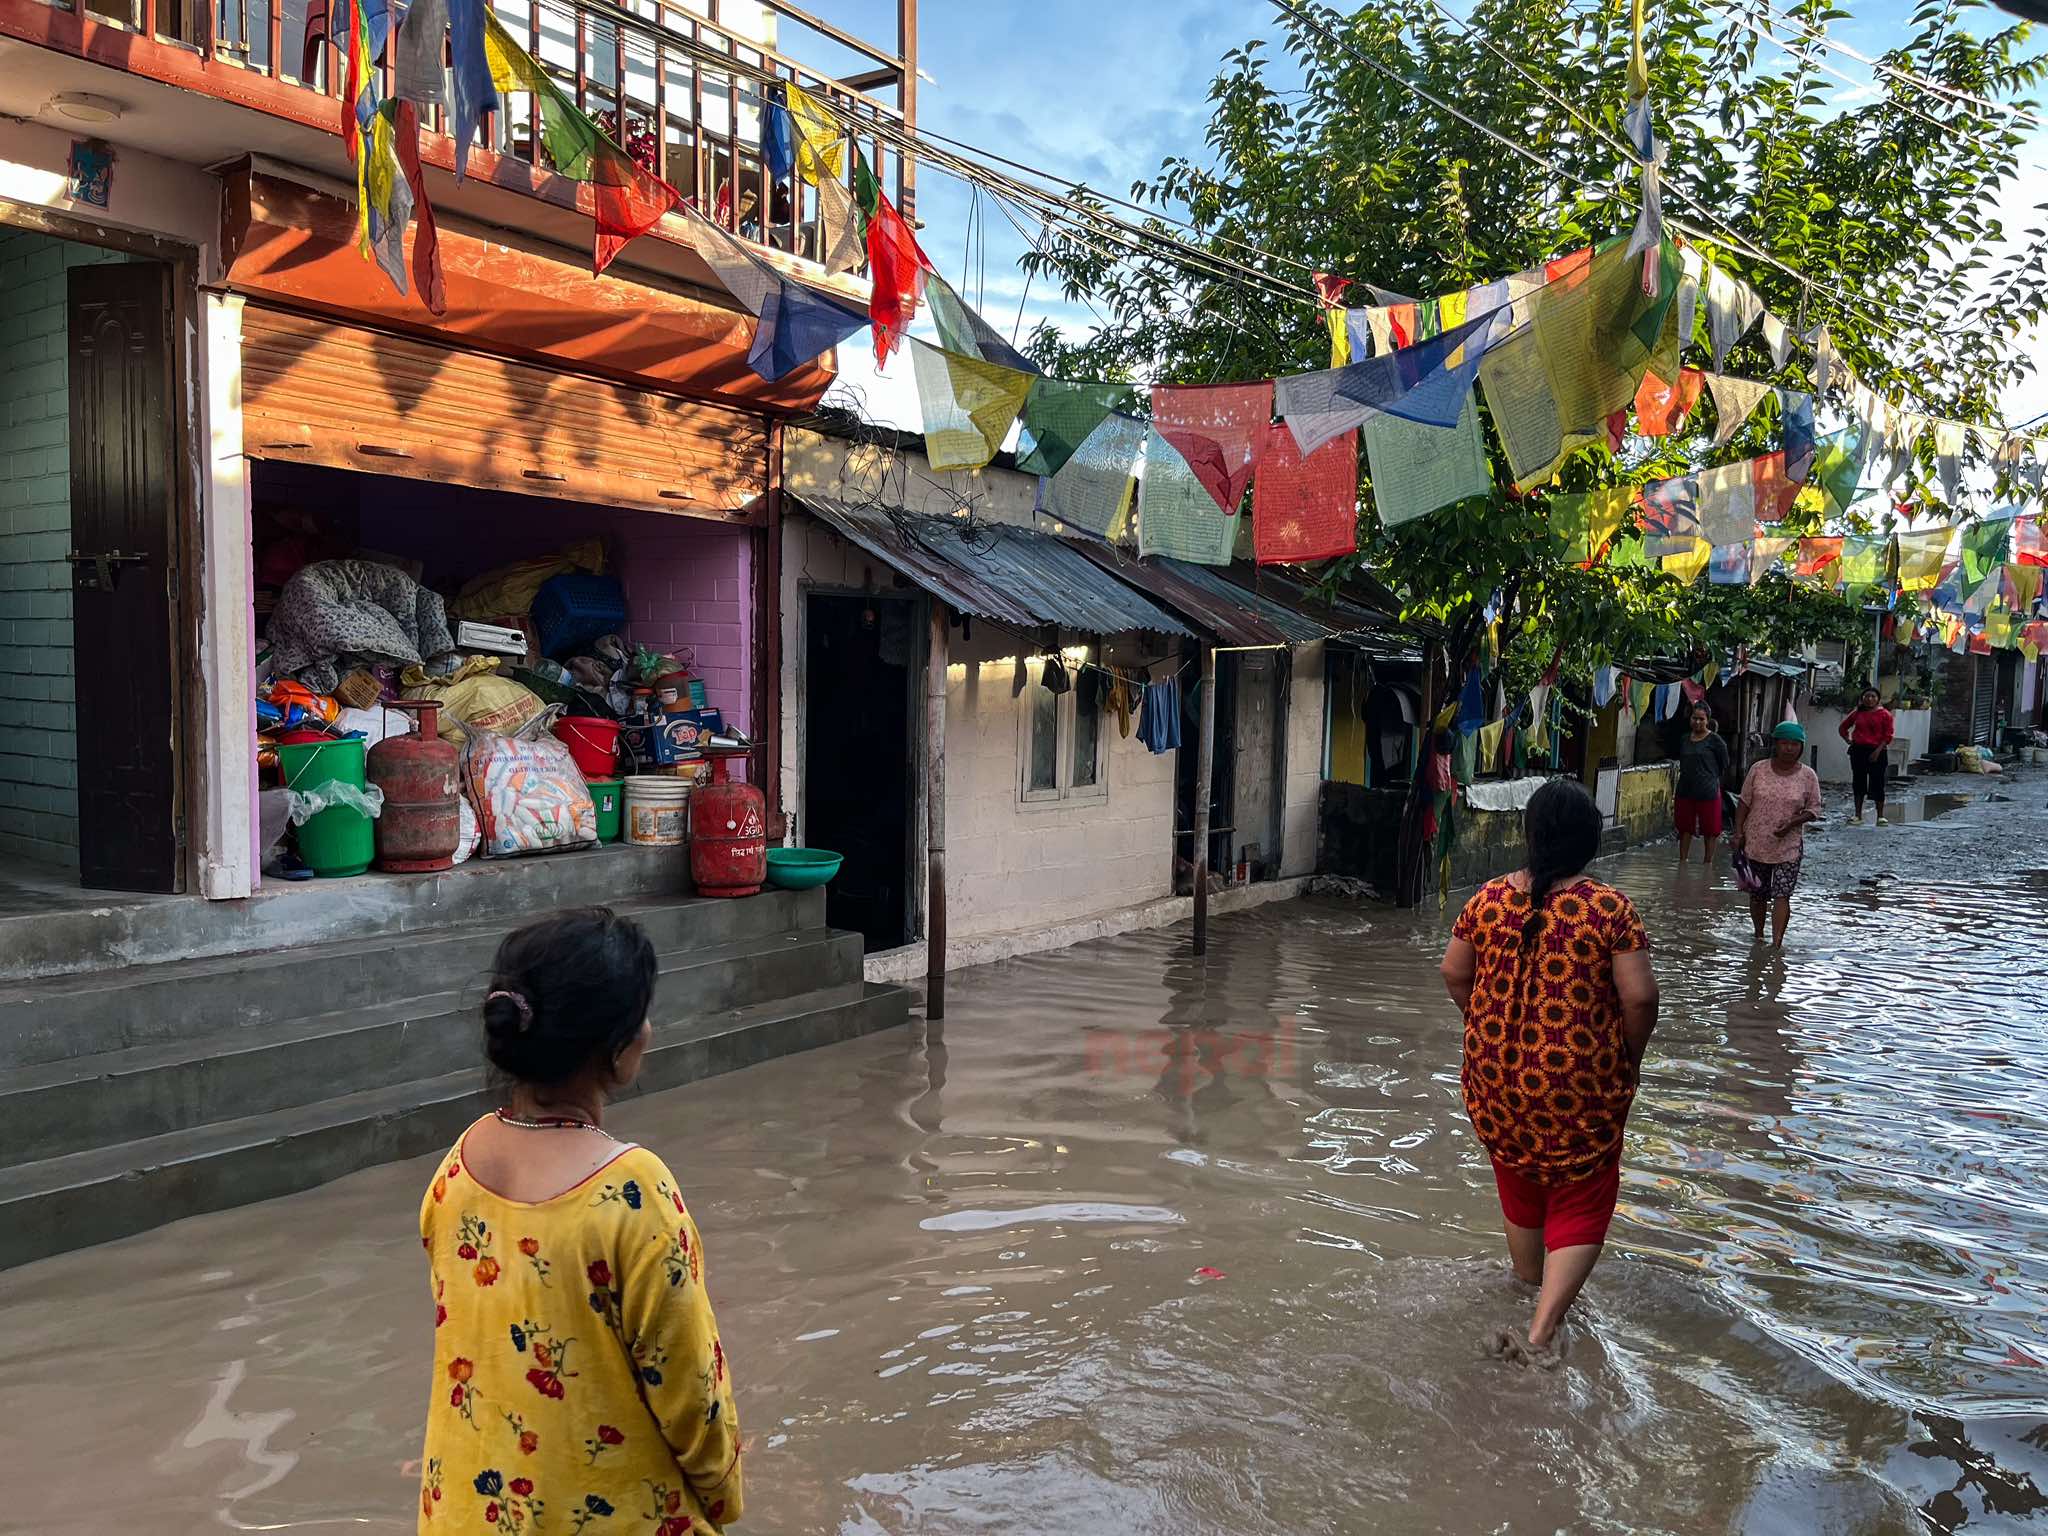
1060 743
1045 736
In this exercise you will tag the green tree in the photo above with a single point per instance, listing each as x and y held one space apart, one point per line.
1327 160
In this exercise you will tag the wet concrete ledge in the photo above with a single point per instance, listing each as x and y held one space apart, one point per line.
909 963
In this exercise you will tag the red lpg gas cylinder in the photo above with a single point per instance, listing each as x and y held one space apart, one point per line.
421 824
728 839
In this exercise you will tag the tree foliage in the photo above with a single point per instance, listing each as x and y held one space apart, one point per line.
1885 211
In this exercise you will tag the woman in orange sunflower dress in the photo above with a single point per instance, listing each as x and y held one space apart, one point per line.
1552 972
579 1386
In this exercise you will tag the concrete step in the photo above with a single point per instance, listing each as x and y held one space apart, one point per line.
71 940
89 1197
61 1107
57 1018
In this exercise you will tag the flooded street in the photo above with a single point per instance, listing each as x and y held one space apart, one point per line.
1147 1247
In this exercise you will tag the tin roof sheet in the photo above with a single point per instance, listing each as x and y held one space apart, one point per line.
1010 575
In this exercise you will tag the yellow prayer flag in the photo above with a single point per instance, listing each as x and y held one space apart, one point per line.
1687 567
820 142
1489 743
2026 585
1340 337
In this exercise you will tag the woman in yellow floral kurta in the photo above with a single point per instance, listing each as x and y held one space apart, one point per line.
579 1384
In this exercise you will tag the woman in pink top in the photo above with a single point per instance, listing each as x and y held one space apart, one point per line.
1780 796
1868 730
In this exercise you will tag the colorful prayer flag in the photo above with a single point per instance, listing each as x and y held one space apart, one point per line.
1177 517
1304 506
1219 429
1418 469
1582 525
968 405
896 270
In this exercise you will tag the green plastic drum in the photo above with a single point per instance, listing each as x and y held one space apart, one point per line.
339 841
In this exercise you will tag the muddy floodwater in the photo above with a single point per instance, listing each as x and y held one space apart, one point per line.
1140 1245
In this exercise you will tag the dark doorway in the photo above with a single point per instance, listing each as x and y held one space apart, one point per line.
862 655
123 573
1222 774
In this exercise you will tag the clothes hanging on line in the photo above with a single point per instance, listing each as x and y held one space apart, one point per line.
1159 720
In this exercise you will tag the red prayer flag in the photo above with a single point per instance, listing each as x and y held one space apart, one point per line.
2029 542
1816 555
1775 491
1219 429
1564 266
352 89
1330 289
630 200
1401 317
426 241
1305 508
1617 429
896 269
1660 406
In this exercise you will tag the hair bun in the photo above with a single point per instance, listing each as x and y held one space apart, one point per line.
507 1014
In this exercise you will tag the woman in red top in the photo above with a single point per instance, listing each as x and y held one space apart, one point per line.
1868 730
1552 972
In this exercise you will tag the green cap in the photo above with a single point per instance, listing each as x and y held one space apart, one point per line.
1790 730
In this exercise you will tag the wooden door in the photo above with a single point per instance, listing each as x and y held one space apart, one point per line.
123 574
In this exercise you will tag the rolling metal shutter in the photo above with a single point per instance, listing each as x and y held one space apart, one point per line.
1984 700
315 392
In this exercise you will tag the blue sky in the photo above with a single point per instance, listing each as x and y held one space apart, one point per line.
1101 92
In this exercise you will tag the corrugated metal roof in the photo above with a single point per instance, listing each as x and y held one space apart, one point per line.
1294 626
1010 575
1230 617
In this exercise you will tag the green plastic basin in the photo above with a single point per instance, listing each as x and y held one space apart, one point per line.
802 869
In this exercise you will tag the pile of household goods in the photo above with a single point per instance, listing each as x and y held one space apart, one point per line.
405 728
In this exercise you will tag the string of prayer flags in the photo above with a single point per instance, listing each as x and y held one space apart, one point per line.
968 405
1057 419
1660 407
1417 469
1176 515
1796 433
1582 525
1732 308
1727 503
1921 558
1219 429
1736 400
629 199
798 324
1090 488
1305 506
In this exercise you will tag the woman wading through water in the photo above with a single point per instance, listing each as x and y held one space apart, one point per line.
1552 972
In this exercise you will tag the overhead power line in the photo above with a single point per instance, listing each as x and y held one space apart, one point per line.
1939 88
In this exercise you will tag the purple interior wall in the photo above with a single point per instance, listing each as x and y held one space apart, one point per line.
687 581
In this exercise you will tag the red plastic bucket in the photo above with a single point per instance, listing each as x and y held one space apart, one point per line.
594 743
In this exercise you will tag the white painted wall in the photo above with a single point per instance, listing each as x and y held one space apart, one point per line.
1009 863
148 195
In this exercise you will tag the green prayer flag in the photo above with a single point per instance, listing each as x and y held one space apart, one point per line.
1418 468
1177 516
1984 549
1057 419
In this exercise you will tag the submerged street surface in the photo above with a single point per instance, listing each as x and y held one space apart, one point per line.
1145 1247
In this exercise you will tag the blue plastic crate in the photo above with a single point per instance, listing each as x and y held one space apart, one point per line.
571 611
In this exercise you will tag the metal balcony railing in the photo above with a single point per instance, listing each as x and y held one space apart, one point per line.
678 89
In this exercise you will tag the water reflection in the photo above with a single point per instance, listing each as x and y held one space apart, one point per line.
1141 1242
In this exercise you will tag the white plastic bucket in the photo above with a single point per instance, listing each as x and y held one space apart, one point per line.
657 811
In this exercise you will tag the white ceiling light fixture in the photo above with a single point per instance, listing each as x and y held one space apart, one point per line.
84 107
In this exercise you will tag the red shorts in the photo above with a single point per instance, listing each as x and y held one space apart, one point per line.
1698 818
1569 1215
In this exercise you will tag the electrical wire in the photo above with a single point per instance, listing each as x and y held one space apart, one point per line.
1939 88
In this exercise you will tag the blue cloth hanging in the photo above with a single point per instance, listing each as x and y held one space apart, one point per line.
778 134
1159 716
797 326
1472 702
470 75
